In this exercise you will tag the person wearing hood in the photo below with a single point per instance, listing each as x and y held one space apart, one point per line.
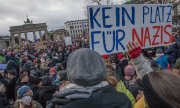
88 87
162 59
11 65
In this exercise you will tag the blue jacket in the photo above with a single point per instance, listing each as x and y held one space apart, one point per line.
163 61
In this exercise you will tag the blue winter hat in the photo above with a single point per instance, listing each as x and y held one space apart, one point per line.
23 90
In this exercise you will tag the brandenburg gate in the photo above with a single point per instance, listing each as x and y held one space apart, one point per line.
27 27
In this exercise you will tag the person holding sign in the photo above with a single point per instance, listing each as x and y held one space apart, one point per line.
161 90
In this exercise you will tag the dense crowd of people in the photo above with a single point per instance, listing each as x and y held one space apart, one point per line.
75 76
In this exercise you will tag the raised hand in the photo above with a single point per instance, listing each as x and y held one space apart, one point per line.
134 49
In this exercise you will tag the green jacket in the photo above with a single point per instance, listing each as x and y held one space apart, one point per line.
120 87
2 59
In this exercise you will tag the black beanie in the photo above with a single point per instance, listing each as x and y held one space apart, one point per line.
152 98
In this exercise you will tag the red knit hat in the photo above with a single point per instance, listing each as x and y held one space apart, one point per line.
120 55
105 56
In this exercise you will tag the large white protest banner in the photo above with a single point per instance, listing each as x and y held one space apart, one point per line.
112 27
68 40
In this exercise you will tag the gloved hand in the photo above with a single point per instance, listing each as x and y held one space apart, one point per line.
134 49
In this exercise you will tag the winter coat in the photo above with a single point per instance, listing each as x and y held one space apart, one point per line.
140 103
11 89
1 59
3 80
172 53
106 97
46 94
143 71
122 89
36 92
4 103
163 61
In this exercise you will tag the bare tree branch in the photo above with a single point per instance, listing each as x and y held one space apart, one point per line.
100 2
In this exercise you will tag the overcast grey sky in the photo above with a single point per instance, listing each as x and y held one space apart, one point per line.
53 12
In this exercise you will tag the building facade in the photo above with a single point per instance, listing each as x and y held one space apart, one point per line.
77 28
58 34
27 27
4 42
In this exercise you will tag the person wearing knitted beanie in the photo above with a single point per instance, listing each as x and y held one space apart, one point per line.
161 89
88 86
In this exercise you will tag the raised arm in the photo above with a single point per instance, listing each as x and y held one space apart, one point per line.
141 66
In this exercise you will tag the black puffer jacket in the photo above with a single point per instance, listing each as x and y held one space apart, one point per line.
11 89
4 103
106 97
46 94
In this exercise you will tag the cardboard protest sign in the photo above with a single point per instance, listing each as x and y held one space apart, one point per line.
40 45
112 27
68 40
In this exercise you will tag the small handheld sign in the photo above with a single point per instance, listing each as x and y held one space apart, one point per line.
68 40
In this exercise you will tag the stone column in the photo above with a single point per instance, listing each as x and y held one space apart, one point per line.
34 36
54 36
26 38
40 35
46 35
19 38
12 40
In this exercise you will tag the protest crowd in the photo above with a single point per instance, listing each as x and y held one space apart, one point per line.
74 76
99 70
